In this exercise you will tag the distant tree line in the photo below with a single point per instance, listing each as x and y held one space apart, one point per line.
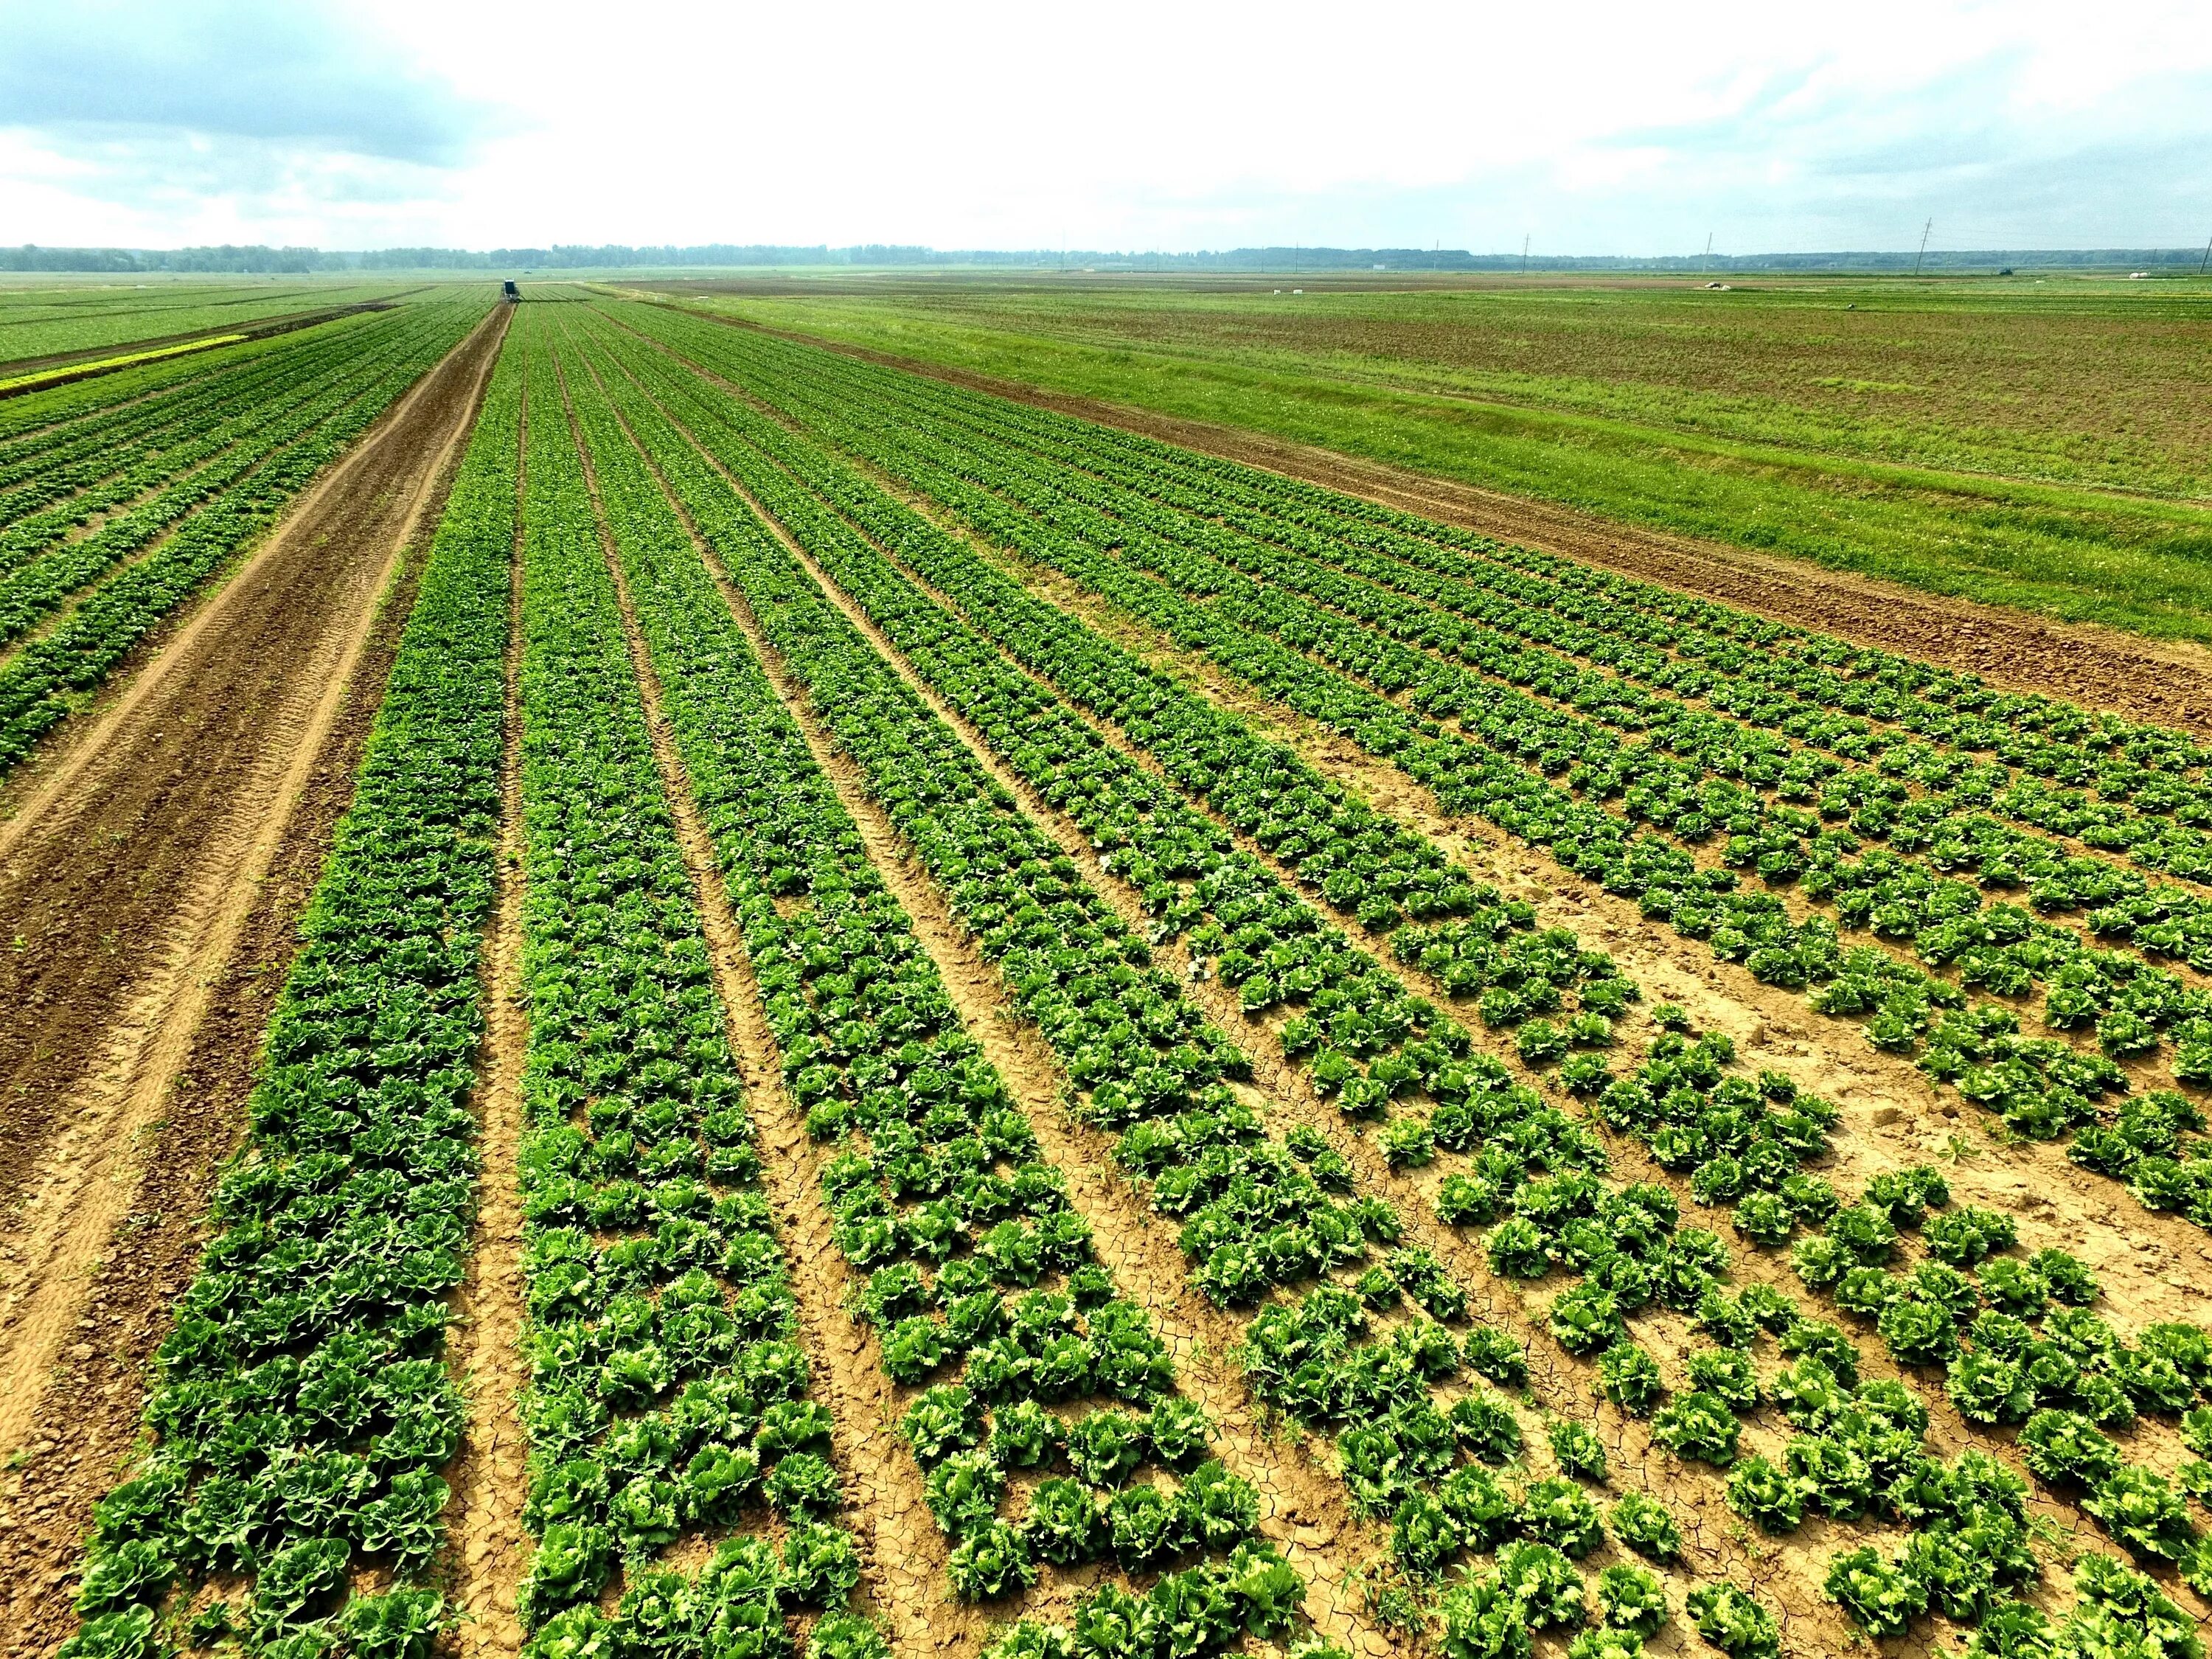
301 261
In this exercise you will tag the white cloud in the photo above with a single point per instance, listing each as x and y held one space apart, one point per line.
1605 127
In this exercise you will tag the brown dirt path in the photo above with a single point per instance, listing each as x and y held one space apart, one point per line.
2167 682
134 1241
484 1521
122 861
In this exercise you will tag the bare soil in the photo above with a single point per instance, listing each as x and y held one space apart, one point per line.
487 1552
162 863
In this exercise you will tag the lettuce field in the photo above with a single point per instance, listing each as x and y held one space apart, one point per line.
916 1025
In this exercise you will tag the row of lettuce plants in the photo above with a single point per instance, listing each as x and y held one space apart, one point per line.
1891 894
2145 806
669 1401
1726 768
1700 1422
1390 1463
64 483
46 679
301 1409
1858 702
66 479
58 567
1026 1379
29 422
2042 1086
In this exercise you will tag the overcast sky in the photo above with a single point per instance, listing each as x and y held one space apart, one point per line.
1607 126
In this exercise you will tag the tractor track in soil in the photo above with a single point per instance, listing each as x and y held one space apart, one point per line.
1303 1509
486 1548
217 776
2169 683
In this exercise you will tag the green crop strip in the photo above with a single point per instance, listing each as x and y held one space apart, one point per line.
668 1398
1880 1441
47 569
1454 622
2043 1086
64 475
2007 951
167 438
301 1408
28 422
48 678
1813 690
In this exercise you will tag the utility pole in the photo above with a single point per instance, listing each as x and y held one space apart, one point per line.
1922 254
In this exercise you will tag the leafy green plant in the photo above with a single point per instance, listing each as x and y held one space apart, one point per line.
1699 1426
1559 1513
1770 1499
1631 1378
1734 1622
1646 1525
1576 1449
1882 1597
1484 1618
1631 1598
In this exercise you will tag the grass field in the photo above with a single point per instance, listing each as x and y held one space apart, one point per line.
2036 442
